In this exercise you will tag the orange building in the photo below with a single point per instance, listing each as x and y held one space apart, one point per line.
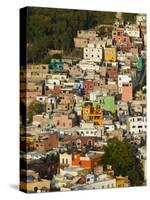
92 114
127 92
87 161
120 36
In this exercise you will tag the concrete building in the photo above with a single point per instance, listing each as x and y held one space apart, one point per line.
132 30
64 120
123 78
88 65
93 52
31 182
37 72
89 130
46 142
137 125
104 182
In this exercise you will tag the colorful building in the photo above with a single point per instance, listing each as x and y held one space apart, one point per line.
119 35
110 54
56 66
140 64
92 114
107 103
122 181
127 92
87 161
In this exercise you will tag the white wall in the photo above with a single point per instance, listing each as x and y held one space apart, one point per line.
93 53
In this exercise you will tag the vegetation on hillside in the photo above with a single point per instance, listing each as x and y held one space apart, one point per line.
56 28
121 156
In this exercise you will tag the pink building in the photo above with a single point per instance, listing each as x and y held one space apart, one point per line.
127 92
88 87
64 120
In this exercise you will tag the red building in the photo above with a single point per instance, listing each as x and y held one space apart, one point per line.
88 86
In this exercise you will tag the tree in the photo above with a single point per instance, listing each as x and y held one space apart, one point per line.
120 155
34 108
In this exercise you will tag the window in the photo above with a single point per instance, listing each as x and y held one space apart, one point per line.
58 123
133 126
66 161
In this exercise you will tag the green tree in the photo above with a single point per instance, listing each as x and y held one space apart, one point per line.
120 155
34 108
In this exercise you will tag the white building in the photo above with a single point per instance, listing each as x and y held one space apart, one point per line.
123 78
93 52
41 99
140 19
88 65
89 130
74 171
101 183
137 125
109 127
50 83
132 30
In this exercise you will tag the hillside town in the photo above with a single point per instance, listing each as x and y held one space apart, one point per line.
76 106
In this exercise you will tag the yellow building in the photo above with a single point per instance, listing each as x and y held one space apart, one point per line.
27 141
92 114
122 181
110 54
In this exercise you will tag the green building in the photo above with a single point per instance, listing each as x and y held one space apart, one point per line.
107 103
140 64
56 66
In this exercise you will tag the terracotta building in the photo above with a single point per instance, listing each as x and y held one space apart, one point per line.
127 92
